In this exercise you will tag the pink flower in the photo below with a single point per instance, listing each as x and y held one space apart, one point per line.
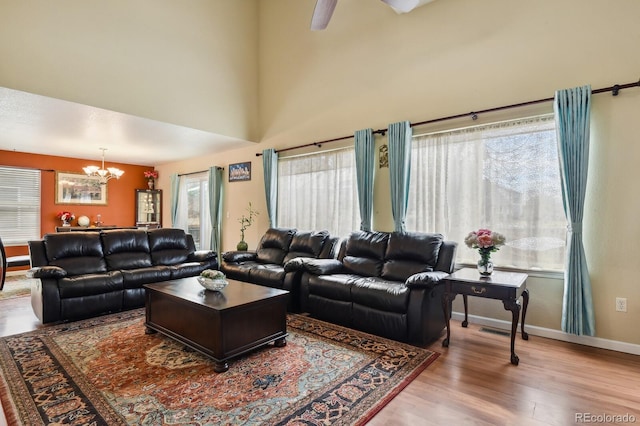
151 174
485 240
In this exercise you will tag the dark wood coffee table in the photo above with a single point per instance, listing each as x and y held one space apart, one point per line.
220 324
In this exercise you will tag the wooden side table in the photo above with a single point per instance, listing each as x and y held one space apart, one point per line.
505 286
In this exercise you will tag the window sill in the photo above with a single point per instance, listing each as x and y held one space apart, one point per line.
537 273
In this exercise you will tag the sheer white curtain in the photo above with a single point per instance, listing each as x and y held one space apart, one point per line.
318 192
193 209
502 176
181 212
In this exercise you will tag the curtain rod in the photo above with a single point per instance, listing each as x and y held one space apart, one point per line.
615 89
195 173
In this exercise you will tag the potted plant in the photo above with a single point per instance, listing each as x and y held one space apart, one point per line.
245 222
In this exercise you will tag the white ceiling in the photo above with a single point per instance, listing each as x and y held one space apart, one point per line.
39 124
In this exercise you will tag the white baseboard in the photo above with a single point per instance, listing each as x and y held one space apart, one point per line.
596 342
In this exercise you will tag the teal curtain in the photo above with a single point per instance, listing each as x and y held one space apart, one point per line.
270 167
399 171
365 163
175 191
216 178
572 109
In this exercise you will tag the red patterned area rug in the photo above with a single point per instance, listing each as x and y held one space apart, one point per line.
107 371
16 286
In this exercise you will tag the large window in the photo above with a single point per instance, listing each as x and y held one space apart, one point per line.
504 177
318 192
19 205
193 209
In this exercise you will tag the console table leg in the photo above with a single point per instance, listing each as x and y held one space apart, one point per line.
525 303
466 310
446 309
280 343
514 307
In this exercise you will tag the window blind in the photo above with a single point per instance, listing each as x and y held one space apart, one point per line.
19 205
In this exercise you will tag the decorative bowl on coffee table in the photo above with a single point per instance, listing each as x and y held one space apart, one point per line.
211 284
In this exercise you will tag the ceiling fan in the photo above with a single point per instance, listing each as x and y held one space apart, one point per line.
324 9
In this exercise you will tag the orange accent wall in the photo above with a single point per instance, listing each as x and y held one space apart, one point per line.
120 208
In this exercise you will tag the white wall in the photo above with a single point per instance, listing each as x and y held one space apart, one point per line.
372 67
253 70
191 63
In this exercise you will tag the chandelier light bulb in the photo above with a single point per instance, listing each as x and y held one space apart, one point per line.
104 174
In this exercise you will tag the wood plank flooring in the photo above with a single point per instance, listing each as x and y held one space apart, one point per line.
473 382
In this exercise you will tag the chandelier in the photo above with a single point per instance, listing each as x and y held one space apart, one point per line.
102 173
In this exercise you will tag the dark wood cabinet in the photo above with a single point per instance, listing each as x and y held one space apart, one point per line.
149 208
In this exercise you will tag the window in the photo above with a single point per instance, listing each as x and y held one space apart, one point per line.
504 177
193 209
319 192
19 205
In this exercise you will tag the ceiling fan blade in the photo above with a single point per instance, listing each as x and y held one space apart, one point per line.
404 6
322 14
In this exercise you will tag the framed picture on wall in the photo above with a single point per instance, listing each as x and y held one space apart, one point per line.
240 171
78 188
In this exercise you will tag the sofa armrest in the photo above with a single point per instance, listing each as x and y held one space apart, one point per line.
202 256
447 257
239 256
47 272
314 266
426 279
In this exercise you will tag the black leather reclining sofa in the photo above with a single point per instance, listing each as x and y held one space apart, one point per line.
84 274
386 284
265 265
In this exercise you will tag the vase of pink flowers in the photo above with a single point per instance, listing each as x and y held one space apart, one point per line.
486 242
151 176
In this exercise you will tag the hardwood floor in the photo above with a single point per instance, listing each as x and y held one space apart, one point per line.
473 382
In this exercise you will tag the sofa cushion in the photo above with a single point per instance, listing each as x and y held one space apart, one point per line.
238 271
78 253
400 270
269 275
187 269
135 278
367 244
335 287
378 293
410 253
365 253
307 244
168 246
90 284
274 245
126 248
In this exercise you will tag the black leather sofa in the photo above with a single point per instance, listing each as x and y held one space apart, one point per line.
84 274
265 265
386 284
